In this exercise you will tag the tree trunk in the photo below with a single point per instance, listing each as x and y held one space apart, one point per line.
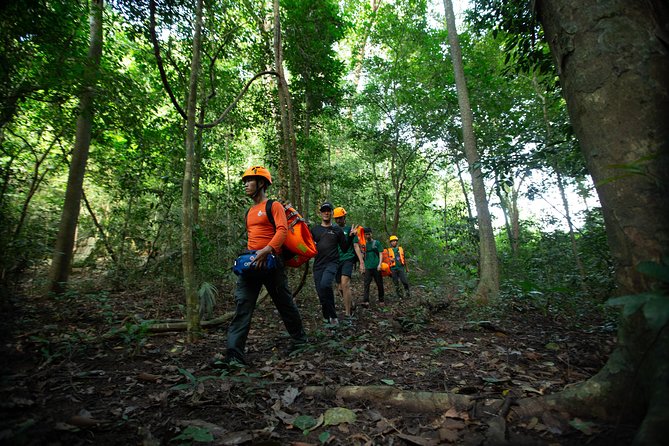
570 225
502 194
612 60
197 165
489 269
187 246
286 108
465 193
62 256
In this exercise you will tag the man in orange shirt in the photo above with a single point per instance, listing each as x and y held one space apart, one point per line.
266 239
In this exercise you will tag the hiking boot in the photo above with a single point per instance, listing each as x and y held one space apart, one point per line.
296 346
229 362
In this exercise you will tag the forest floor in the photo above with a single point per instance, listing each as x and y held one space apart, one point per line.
62 384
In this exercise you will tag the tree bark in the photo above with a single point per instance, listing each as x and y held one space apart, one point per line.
488 285
187 245
613 64
63 251
286 109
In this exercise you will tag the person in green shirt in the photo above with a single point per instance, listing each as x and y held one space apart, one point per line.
398 266
372 267
347 261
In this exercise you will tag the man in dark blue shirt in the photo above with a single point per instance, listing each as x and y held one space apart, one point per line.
328 237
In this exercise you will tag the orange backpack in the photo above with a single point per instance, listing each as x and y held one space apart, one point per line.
362 241
299 246
386 263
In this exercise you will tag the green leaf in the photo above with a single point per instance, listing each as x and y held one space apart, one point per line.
631 302
656 312
339 415
583 426
304 422
390 382
324 437
187 374
655 270
195 433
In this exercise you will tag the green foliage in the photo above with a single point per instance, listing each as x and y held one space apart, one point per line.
135 336
304 423
388 151
194 434
514 22
655 303
311 29
207 295
324 437
193 381
545 269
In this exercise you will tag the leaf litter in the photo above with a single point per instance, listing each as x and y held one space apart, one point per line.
62 383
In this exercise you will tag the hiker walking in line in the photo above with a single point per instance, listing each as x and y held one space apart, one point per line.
398 267
329 239
372 267
266 239
347 260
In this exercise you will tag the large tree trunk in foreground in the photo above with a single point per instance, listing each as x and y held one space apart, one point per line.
488 268
62 256
613 62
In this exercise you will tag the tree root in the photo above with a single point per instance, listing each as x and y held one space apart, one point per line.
407 400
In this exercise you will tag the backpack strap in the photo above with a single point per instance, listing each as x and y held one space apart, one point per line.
268 211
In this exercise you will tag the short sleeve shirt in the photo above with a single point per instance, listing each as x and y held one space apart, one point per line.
373 255
350 253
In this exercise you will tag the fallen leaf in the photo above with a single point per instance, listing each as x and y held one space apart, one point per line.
214 429
339 415
148 377
304 422
584 426
420 441
289 396
60 426
453 413
447 435
85 422
533 422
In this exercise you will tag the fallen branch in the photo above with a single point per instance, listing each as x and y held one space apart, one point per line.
402 399
175 325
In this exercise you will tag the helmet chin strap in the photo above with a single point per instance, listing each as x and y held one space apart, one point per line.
258 188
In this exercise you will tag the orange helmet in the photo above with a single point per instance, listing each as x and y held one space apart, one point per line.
339 212
393 238
257 171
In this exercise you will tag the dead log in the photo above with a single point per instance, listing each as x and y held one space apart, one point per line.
176 325
403 399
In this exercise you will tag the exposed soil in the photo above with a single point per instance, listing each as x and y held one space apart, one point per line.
61 384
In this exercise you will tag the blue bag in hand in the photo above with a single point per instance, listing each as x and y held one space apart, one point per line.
246 262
